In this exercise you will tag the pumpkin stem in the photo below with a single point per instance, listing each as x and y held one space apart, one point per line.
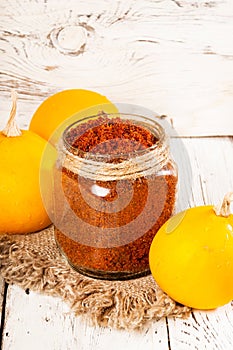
11 129
224 209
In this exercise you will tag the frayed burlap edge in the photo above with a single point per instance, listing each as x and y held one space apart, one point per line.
33 261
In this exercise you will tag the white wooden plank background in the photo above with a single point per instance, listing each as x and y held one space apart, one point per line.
174 57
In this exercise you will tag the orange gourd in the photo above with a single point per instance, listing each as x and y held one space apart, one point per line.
191 256
21 206
62 106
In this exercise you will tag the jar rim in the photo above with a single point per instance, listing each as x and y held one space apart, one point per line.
148 123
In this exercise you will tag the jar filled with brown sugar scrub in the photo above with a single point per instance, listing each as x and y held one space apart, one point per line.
115 185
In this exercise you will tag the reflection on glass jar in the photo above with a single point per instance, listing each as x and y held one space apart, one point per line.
115 185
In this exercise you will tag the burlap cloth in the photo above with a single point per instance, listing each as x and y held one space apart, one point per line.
33 261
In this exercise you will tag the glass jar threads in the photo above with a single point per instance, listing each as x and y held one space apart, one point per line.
115 185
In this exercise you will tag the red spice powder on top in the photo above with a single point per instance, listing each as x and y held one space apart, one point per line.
110 136
114 136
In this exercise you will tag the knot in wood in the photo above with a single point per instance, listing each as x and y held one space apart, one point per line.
70 39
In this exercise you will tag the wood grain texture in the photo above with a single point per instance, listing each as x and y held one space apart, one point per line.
3 288
43 322
174 57
210 331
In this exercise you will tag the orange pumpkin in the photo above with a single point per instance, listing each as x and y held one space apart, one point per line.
191 256
21 205
63 105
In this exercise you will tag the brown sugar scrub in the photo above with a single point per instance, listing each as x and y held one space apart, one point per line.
115 186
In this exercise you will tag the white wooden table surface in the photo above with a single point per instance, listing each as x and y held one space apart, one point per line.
174 57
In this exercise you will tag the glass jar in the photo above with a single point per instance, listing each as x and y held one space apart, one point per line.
115 185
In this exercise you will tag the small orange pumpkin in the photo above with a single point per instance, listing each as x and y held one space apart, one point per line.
56 109
21 206
191 256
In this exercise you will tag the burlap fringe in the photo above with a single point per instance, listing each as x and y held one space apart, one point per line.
33 261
